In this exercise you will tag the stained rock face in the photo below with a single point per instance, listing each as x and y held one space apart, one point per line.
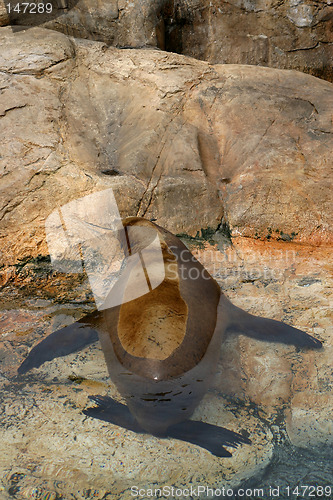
177 139
295 34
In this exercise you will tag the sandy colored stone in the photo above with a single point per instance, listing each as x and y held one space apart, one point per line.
307 425
177 139
290 283
309 417
295 34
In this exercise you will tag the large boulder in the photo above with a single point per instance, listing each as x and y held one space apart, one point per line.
295 34
190 144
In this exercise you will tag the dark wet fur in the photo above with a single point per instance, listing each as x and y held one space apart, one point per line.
207 436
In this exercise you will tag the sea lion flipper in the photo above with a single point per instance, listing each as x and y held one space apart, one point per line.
207 436
111 411
65 341
269 329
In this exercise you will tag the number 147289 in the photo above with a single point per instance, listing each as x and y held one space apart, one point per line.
29 8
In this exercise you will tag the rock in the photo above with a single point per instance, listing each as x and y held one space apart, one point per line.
179 140
290 283
32 54
72 454
296 34
309 421
115 22
4 19
307 425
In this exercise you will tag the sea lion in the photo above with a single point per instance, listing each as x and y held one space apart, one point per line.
162 347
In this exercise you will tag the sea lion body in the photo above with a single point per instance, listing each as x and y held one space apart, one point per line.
162 347
162 390
159 404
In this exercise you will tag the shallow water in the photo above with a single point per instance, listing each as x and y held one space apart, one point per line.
297 473
51 451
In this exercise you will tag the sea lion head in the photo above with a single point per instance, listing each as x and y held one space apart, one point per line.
162 333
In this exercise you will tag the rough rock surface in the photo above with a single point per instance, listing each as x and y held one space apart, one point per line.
47 445
290 283
294 34
179 140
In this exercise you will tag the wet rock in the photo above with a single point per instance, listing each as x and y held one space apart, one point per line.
193 145
261 388
50 446
267 279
